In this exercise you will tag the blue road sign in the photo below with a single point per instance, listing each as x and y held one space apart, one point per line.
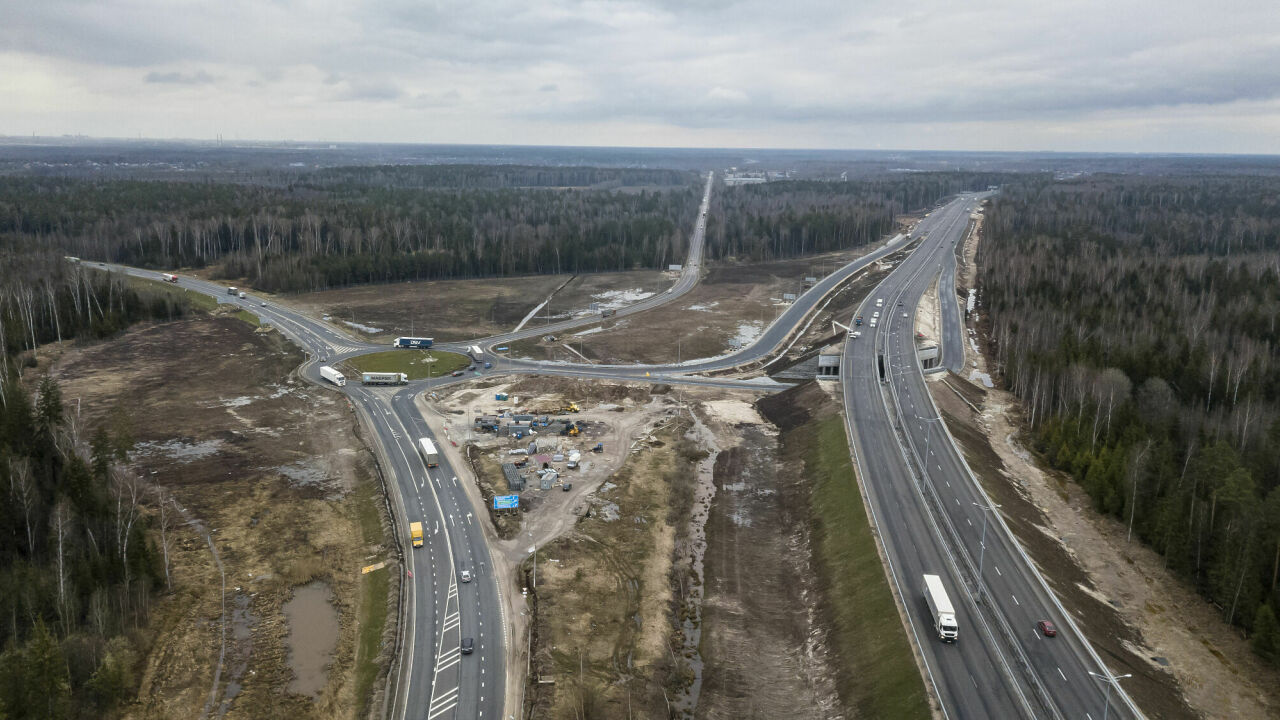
506 502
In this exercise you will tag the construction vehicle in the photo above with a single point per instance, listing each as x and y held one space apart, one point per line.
415 532
570 408
599 448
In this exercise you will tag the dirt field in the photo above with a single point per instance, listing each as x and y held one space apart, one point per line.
760 612
463 309
603 596
270 473
728 309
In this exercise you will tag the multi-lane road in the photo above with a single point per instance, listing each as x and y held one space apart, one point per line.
932 517
926 511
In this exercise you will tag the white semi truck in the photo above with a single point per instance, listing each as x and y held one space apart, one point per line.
333 376
429 454
944 616
384 378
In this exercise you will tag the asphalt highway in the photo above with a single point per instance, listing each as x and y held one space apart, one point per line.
924 510
931 517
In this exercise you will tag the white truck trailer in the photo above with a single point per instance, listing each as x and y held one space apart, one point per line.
384 378
333 376
944 616
429 453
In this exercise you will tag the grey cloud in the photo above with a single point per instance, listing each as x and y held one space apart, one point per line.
818 66
374 90
199 77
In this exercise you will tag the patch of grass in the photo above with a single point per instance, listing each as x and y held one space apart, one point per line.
373 616
373 598
880 677
249 317
198 301
414 363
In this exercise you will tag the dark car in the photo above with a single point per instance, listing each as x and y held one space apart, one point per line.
468 646
567 487
1047 628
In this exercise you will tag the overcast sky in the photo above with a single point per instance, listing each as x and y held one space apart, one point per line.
1105 75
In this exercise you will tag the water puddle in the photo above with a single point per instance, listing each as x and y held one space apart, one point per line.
313 635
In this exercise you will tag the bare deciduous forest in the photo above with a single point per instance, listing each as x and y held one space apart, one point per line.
1139 321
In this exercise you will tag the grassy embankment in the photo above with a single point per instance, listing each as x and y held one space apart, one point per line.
878 675
414 363
374 587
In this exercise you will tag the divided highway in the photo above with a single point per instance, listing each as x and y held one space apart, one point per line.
926 512
932 517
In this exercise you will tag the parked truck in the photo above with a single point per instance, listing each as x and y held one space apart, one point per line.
944 616
608 313
421 343
168 278
333 376
429 453
384 378
232 291
415 532
857 320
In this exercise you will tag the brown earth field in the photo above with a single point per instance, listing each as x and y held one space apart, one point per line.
602 627
732 304
760 617
450 310
270 472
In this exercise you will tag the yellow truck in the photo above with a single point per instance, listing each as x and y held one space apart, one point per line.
415 530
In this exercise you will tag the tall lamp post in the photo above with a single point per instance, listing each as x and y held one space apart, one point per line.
1110 679
982 544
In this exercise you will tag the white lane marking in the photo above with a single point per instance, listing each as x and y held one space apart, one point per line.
1064 677
997 567
1015 599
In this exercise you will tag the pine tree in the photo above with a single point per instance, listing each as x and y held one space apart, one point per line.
1266 635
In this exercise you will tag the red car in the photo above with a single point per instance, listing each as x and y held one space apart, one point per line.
457 373
1047 628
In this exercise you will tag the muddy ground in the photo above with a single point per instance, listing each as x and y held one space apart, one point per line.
727 310
268 470
463 309
759 615
603 598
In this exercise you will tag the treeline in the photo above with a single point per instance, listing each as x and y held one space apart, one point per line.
44 298
301 237
77 571
1138 319
787 219
491 177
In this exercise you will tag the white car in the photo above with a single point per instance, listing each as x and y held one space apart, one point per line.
466 576
875 314
856 334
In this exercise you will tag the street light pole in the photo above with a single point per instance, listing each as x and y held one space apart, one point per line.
982 545
1110 679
